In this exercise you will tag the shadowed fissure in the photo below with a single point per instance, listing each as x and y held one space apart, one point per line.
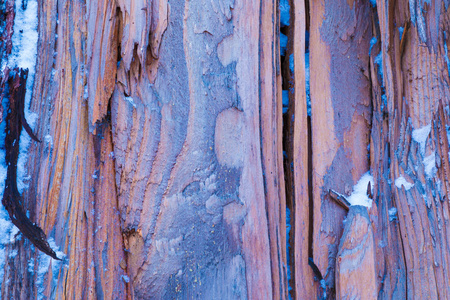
288 122
287 48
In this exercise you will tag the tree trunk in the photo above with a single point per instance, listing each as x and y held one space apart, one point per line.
169 158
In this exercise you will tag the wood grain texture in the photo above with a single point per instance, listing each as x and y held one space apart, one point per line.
415 80
161 175
341 116
355 263
389 256
271 131
301 235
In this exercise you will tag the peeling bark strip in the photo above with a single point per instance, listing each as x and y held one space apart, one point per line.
15 120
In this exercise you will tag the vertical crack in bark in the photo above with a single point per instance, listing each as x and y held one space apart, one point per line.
12 201
261 148
287 81
310 154
310 157
288 86
310 193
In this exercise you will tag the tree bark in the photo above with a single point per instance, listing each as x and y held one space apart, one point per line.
167 165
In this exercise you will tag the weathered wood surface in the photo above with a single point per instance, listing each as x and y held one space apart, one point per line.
161 175
297 152
161 172
355 261
340 117
415 80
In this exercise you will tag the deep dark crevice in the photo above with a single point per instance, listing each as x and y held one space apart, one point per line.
310 160
310 193
119 33
55 46
125 233
288 86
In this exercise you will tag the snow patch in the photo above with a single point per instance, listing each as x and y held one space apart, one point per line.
31 266
3 167
359 195
48 141
401 181
86 92
420 136
131 101
7 232
430 165
23 55
45 262
392 214
25 38
8 235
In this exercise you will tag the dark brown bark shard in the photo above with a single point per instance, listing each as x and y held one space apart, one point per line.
340 199
12 201
318 276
